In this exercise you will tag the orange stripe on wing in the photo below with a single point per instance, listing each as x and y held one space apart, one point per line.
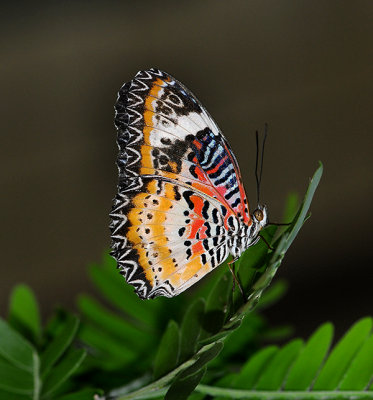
148 116
196 225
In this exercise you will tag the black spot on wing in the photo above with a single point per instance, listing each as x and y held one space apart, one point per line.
208 229
205 208
236 202
180 99
215 216
232 192
187 194
177 193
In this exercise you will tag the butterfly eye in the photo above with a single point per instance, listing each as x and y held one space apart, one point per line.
258 214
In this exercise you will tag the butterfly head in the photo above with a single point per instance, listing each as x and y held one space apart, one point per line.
248 235
260 218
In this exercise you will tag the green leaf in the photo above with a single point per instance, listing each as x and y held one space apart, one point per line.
62 371
254 259
182 388
217 306
114 349
85 394
294 230
226 380
13 396
15 348
252 370
224 333
204 357
114 287
342 355
56 322
59 344
168 351
244 340
111 323
219 295
24 312
205 354
360 372
272 294
15 380
273 376
305 368
190 329
204 287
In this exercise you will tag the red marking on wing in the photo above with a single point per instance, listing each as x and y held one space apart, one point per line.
198 204
197 144
197 224
210 191
201 175
198 248
222 161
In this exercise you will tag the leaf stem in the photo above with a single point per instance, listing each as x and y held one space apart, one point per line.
146 391
36 376
282 395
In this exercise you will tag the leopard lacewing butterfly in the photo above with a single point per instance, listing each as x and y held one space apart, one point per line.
181 206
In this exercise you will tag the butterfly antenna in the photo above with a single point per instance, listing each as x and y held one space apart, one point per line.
256 166
259 171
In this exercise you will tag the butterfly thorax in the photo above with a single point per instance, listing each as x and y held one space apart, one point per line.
242 236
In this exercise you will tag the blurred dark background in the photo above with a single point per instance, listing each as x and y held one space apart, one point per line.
304 67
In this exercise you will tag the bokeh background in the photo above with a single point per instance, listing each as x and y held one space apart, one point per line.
303 67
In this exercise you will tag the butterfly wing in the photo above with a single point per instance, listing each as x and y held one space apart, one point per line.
167 236
172 160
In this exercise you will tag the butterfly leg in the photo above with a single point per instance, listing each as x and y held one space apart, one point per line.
236 281
280 223
265 241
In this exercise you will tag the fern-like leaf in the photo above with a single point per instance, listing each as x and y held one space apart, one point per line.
295 373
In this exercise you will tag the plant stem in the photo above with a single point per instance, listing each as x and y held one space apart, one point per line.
282 395
146 391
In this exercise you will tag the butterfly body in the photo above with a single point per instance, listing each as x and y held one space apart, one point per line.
181 207
245 236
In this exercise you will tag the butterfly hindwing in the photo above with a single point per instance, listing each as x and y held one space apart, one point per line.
166 234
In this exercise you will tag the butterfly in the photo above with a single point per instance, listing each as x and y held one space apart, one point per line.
181 207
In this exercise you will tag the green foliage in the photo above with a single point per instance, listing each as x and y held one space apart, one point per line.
307 365
168 351
24 313
164 348
210 323
120 340
304 371
35 364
